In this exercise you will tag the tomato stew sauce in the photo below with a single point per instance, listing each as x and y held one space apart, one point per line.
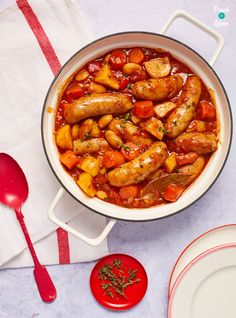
152 118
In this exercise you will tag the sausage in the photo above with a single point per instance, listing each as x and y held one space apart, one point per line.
95 105
193 170
202 143
158 89
140 168
179 119
90 145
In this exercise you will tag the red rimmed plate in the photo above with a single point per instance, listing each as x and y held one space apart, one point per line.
207 286
224 234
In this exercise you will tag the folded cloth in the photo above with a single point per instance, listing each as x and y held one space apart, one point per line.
36 37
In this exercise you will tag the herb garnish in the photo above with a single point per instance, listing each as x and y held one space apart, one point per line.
163 130
116 278
127 148
128 86
85 137
127 116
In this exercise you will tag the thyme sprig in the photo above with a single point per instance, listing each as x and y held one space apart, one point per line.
127 116
127 148
116 278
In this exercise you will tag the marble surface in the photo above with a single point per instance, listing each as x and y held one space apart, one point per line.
156 244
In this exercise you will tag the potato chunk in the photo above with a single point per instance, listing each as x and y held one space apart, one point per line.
75 131
196 125
85 129
158 67
104 76
64 137
91 165
135 119
170 163
102 195
161 110
95 131
155 127
86 183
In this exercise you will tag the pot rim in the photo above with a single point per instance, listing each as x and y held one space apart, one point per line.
169 38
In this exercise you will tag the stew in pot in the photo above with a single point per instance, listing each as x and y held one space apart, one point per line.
135 127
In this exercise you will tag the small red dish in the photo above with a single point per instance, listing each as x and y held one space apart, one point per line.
133 293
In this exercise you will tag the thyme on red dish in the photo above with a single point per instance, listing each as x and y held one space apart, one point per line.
116 278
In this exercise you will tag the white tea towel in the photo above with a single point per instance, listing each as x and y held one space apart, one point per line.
31 32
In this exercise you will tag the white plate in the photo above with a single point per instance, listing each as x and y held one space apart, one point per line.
225 234
207 286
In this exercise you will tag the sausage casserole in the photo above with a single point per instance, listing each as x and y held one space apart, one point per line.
135 127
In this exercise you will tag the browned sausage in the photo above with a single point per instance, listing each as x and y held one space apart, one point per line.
158 89
179 119
89 146
140 168
193 170
202 143
95 105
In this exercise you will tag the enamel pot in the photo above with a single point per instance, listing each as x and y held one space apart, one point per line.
199 66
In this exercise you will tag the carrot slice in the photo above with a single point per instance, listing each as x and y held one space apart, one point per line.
206 111
69 159
136 56
117 59
143 109
74 92
127 192
172 192
130 151
113 158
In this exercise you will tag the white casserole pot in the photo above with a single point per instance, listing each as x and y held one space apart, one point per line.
199 66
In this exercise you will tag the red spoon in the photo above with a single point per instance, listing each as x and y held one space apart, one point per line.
13 193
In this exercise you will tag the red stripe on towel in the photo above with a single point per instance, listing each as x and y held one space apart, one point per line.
63 246
52 59
40 35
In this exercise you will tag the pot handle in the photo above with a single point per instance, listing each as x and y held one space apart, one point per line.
218 37
91 241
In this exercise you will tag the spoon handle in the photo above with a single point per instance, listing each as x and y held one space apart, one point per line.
45 285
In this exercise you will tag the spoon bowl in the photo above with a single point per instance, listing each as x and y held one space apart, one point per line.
13 193
13 187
